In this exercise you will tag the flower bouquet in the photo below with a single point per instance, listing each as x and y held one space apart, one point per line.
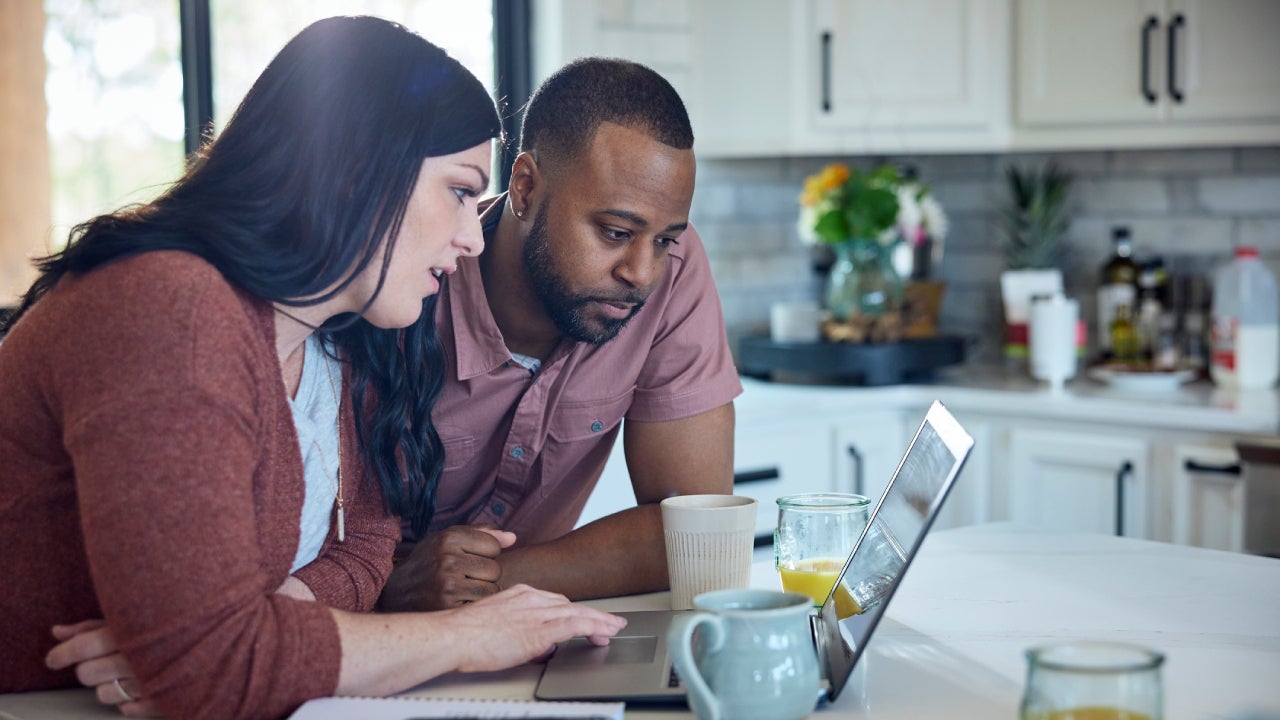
879 226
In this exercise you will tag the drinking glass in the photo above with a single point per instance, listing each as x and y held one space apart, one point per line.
815 533
1093 680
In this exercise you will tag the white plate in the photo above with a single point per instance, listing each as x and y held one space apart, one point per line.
1141 381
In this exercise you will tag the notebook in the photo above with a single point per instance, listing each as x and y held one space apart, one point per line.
409 708
636 666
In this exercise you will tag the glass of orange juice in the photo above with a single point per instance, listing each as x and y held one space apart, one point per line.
815 533
1093 680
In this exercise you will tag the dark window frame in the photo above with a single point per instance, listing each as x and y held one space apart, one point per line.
512 69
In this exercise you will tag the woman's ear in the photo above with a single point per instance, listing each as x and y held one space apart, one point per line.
526 180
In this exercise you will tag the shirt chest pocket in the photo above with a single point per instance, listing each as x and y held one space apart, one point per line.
585 420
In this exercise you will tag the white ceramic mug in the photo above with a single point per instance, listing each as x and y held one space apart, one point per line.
709 541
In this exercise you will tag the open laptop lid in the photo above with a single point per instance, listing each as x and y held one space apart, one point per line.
887 545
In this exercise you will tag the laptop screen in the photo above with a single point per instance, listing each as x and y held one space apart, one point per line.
898 525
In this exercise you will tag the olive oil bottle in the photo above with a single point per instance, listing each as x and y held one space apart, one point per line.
1117 287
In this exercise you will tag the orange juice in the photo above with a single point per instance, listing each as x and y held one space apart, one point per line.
814 577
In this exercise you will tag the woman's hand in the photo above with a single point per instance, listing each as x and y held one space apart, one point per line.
91 648
521 624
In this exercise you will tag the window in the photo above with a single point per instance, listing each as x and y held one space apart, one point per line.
114 83
246 34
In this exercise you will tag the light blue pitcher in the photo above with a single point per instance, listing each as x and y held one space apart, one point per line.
755 658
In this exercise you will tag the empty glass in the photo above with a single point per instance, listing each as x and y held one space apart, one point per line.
1093 680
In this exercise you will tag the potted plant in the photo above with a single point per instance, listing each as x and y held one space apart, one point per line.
1032 225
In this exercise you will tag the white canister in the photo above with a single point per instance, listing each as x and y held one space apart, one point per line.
795 322
1052 341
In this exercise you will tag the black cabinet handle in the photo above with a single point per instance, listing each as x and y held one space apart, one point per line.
750 476
1122 478
826 71
1198 467
857 470
1177 22
1150 26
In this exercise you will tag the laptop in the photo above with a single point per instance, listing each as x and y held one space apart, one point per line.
636 666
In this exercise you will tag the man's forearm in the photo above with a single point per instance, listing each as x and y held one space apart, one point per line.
620 554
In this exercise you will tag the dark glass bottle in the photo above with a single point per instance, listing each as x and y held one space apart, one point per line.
1117 286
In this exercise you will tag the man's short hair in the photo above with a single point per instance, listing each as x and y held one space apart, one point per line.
566 110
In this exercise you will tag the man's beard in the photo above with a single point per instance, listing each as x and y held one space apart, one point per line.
566 309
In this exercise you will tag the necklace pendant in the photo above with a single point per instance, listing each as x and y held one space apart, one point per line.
342 530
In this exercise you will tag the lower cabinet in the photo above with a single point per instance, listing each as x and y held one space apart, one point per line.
1182 486
774 459
1206 496
1087 482
866 450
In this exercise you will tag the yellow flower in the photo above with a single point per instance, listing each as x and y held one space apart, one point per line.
816 186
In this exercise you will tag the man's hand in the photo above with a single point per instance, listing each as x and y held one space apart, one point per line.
446 569
91 648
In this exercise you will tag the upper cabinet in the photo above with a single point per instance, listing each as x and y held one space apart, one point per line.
1146 72
903 73
825 77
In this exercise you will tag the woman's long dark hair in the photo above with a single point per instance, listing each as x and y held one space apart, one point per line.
298 192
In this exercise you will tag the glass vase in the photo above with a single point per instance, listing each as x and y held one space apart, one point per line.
863 281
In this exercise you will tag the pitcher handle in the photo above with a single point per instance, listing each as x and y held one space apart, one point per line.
680 640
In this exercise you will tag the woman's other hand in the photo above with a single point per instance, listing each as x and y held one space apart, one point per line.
91 648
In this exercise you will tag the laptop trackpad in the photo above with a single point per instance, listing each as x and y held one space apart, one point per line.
620 651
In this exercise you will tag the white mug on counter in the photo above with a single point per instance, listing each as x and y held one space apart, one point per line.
1052 343
794 321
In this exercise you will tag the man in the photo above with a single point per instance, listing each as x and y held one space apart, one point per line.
593 301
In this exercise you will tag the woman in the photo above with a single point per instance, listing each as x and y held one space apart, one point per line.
153 468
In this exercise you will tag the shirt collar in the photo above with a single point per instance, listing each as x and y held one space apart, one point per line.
478 344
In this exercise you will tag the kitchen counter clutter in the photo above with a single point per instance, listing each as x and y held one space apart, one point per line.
1196 406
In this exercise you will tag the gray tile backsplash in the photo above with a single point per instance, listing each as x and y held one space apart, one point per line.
1191 206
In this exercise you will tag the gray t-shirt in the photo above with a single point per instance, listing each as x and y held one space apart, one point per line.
315 415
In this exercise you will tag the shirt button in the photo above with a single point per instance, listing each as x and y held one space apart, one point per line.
597 426
499 508
517 452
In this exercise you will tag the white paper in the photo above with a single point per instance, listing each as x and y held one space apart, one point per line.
344 708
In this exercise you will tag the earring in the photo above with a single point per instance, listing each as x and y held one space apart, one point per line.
519 214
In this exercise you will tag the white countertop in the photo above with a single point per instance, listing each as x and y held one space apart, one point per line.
975 599
1198 406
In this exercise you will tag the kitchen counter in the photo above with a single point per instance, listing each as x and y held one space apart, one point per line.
1198 406
953 641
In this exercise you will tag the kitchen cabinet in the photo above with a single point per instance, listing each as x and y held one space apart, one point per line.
1154 466
1079 481
774 459
866 451
1145 71
910 69
771 459
763 78
1206 495
821 76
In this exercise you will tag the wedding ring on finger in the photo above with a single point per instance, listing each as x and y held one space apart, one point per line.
125 697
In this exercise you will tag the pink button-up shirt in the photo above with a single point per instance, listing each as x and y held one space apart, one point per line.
523 451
